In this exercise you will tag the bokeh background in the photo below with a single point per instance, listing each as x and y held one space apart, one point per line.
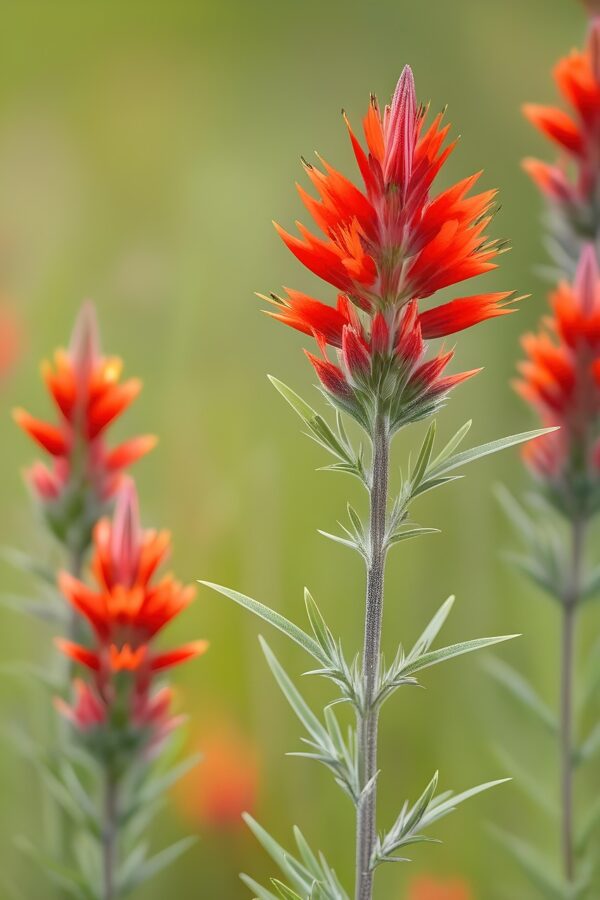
144 149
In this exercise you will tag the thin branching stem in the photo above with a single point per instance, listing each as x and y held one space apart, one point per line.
366 831
571 598
110 835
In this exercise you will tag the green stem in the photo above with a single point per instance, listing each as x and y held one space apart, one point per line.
366 831
109 836
571 600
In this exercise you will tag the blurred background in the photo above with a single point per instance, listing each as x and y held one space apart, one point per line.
144 149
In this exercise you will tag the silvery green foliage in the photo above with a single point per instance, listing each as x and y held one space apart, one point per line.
543 559
72 777
308 876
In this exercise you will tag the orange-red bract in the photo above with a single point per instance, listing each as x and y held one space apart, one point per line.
86 389
391 241
126 610
576 133
560 377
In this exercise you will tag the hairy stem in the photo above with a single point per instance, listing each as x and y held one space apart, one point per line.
366 831
109 837
570 602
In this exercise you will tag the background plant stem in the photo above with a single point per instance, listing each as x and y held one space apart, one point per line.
368 721
109 837
570 602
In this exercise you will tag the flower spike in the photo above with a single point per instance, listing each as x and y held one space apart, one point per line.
84 475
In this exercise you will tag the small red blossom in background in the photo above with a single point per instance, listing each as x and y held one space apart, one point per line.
430 889
216 793
125 613
10 340
84 474
560 379
388 245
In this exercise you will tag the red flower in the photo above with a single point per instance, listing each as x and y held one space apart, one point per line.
429 889
85 473
560 378
576 134
225 785
10 340
126 611
391 242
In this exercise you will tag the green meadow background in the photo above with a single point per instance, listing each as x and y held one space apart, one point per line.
144 149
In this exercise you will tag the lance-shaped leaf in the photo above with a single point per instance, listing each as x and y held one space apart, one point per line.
312 877
528 784
150 868
273 618
434 657
458 460
590 747
326 742
519 688
413 820
321 432
539 869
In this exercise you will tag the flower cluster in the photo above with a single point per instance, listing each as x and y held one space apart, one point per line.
387 247
561 380
85 474
572 184
119 708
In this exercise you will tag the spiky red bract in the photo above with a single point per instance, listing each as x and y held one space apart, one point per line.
390 243
125 610
571 184
560 379
84 474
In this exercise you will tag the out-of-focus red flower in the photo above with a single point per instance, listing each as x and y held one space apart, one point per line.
391 243
126 611
430 889
560 379
84 474
576 134
10 340
216 793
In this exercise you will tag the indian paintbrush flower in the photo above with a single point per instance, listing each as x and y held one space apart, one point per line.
84 475
126 610
388 246
571 185
560 379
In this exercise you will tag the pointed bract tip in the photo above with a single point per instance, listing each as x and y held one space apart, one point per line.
84 347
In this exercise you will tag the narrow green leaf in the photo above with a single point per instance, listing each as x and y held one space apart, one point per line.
409 533
519 688
452 444
293 696
450 803
437 656
468 456
590 747
537 867
338 539
153 866
273 618
284 891
424 456
260 892
312 419
424 642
